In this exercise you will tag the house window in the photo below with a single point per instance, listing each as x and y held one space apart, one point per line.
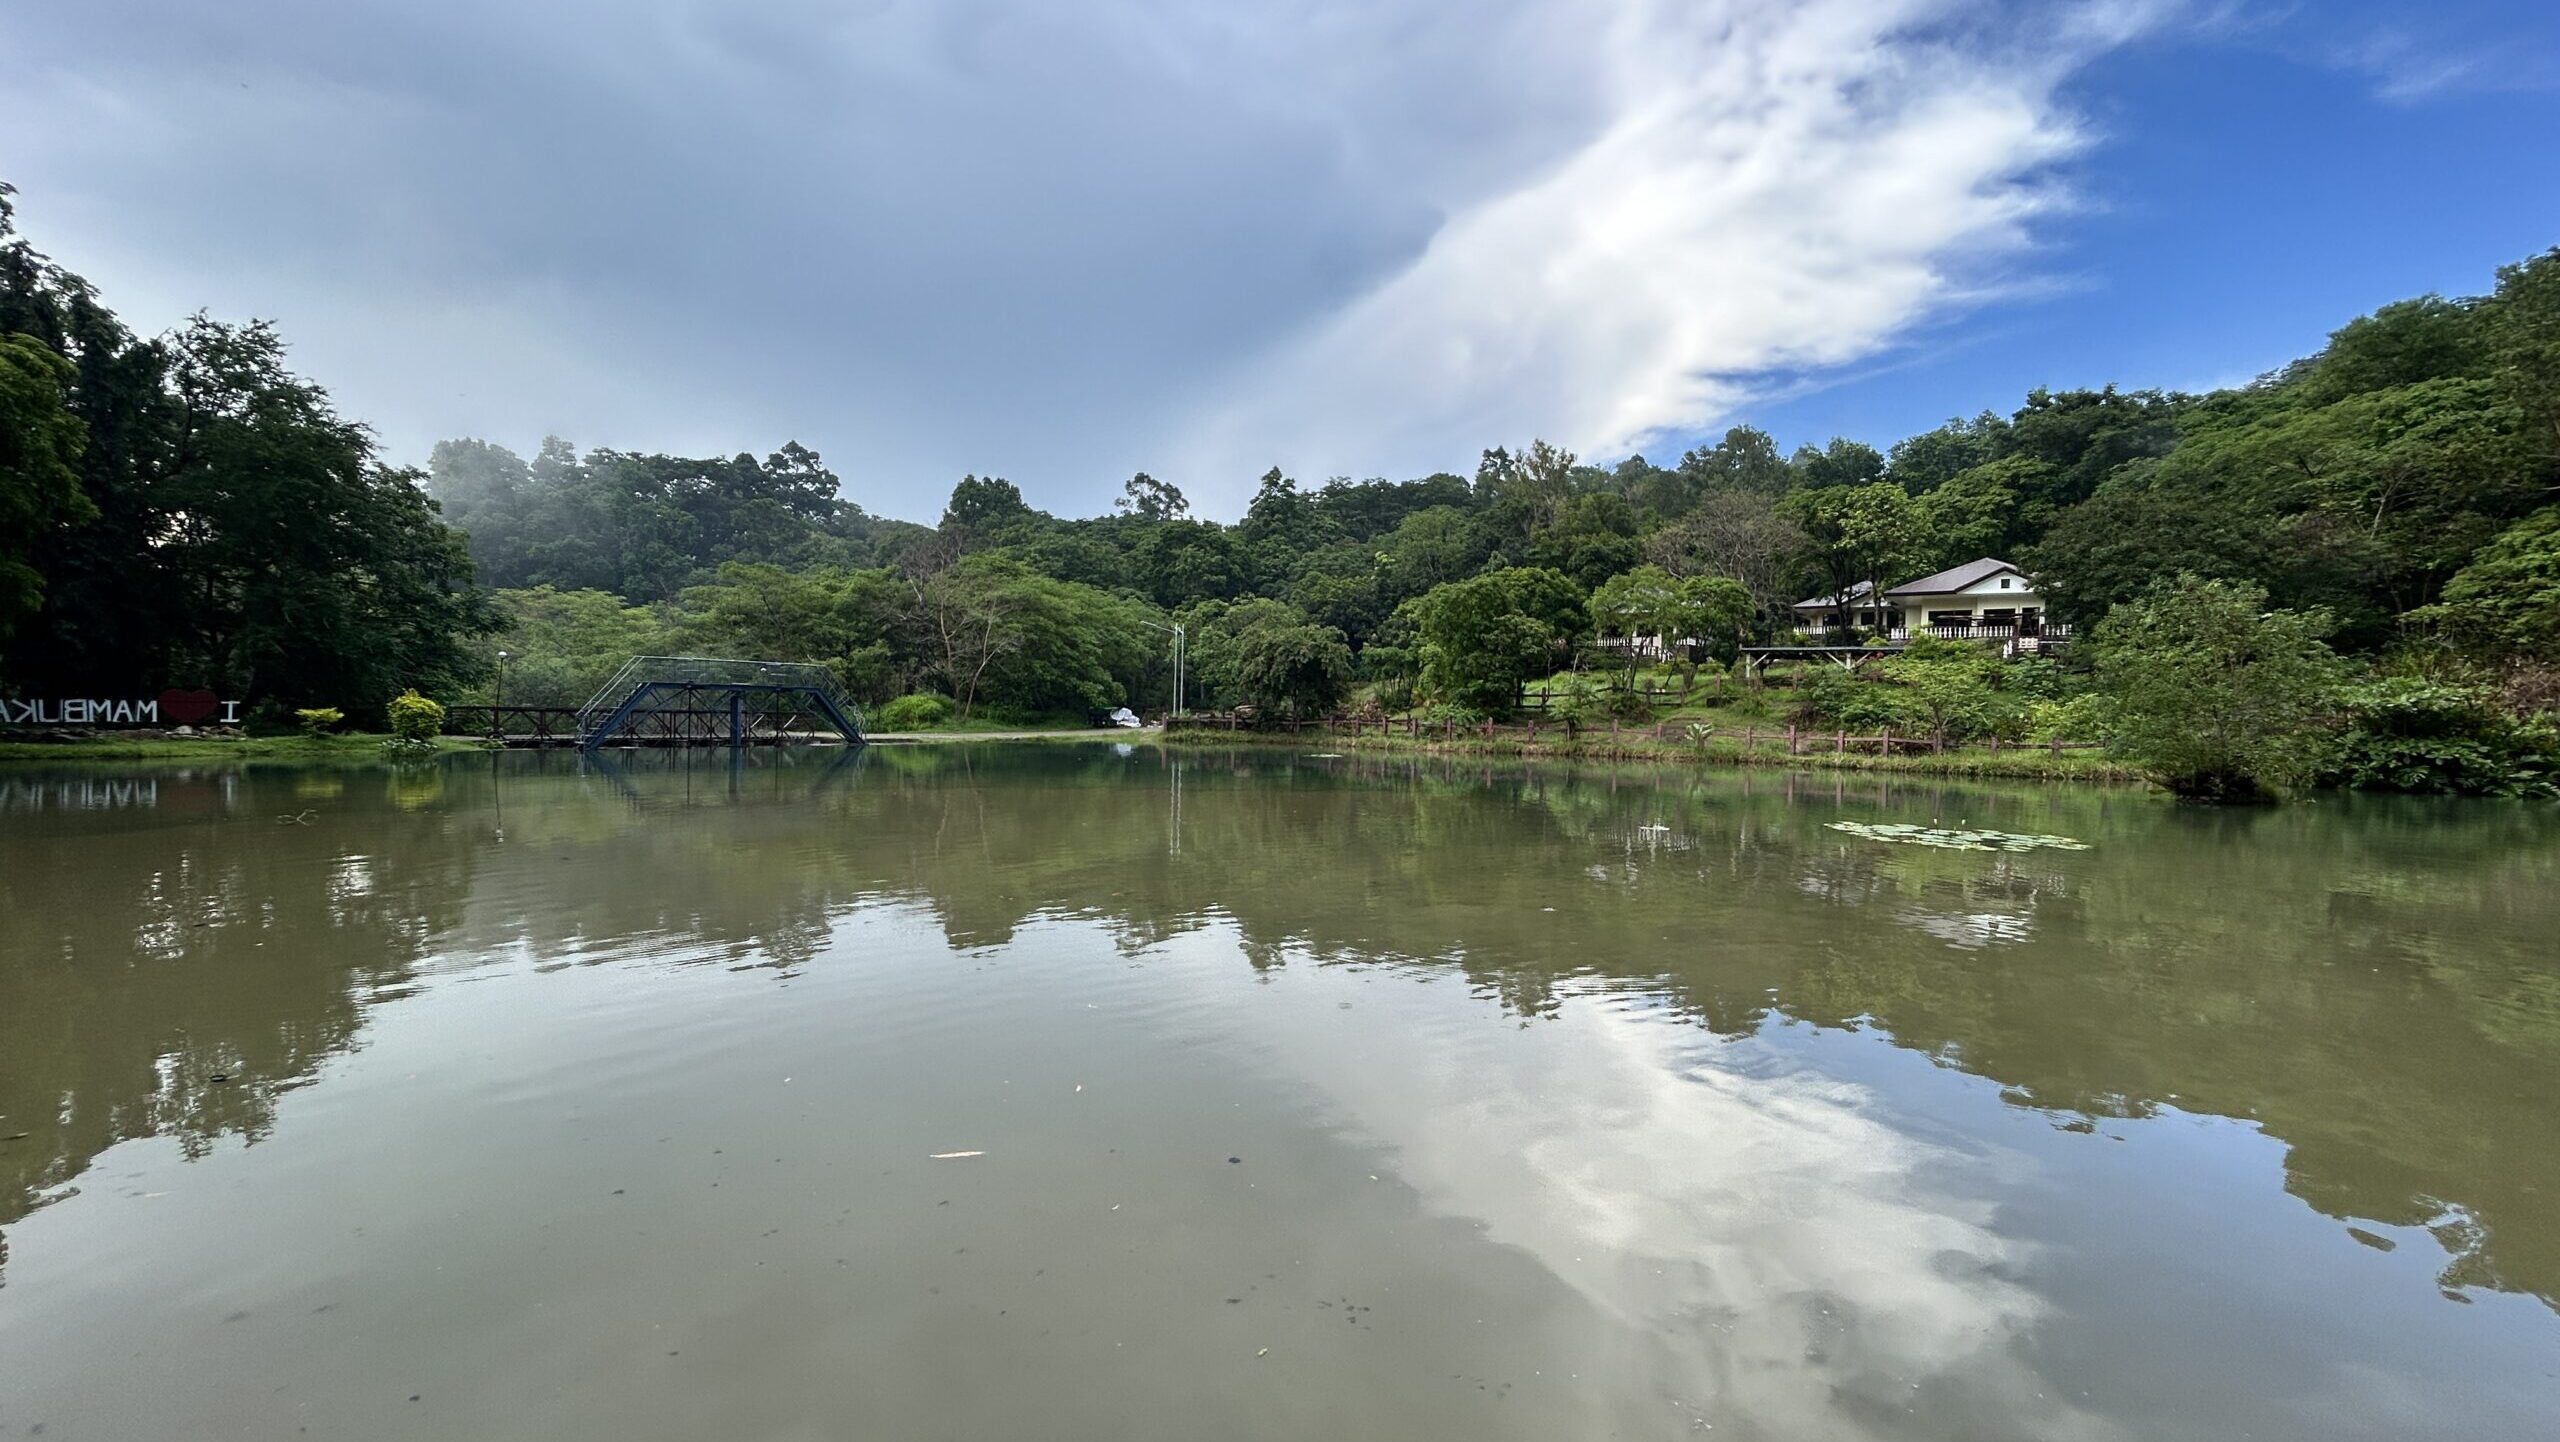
2004 583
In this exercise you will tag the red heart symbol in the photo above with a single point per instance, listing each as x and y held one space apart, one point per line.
186 708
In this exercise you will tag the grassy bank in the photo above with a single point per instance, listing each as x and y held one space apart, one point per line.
1056 733
982 726
2015 763
346 746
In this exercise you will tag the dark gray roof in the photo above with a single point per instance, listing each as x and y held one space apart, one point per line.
1857 592
1955 578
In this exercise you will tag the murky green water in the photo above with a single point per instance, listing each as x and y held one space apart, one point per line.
1304 1097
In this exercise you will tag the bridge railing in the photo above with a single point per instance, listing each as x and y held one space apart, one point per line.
641 673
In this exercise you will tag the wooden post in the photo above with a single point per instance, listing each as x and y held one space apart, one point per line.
1840 743
1888 740
2057 745
1995 743
1791 738
1613 729
1748 736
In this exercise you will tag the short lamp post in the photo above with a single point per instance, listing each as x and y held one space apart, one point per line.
498 697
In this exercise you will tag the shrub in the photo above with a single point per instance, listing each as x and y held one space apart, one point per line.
318 719
1829 696
2530 688
915 711
2409 734
2081 718
1626 704
414 718
1575 701
1822 694
1953 689
2034 678
1394 693
1751 703
1450 713
2214 695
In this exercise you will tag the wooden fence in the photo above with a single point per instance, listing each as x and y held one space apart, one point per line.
1713 685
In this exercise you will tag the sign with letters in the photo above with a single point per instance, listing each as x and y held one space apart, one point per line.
173 707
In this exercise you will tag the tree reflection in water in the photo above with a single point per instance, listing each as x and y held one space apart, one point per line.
2366 980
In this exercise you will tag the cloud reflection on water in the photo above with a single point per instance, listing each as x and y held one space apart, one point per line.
1759 1246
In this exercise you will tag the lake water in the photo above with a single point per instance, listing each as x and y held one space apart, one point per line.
1059 1092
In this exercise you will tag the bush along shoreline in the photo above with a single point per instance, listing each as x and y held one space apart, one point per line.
1739 745
2345 573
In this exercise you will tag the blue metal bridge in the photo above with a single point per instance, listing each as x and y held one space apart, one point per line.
691 700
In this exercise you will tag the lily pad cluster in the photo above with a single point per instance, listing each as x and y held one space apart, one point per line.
1954 839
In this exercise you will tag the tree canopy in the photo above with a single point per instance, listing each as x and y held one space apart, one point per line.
186 510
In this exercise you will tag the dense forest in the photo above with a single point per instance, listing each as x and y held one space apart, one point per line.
2360 550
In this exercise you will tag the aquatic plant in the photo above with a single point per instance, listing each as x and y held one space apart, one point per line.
1956 839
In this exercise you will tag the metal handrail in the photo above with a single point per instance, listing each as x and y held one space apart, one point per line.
643 672
610 695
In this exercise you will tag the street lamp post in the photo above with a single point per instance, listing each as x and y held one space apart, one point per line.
498 696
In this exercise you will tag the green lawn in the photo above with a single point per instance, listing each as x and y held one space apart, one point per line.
342 746
977 724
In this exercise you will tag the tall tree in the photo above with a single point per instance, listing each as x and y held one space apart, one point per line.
1300 670
2506 602
1922 463
1843 464
2524 342
1649 602
40 496
1152 500
1858 539
983 509
1485 637
2216 696
1741 534
312 574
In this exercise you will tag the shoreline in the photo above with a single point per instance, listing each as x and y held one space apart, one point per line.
2022 764
365 746
338 746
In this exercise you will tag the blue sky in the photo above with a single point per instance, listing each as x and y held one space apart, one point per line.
2254 188
1066 243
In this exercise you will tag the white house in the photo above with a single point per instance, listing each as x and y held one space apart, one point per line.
1986 599
1817 614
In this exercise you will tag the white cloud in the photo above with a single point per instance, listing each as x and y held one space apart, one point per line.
1061 244
1774 186
2407 70
1761 1249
